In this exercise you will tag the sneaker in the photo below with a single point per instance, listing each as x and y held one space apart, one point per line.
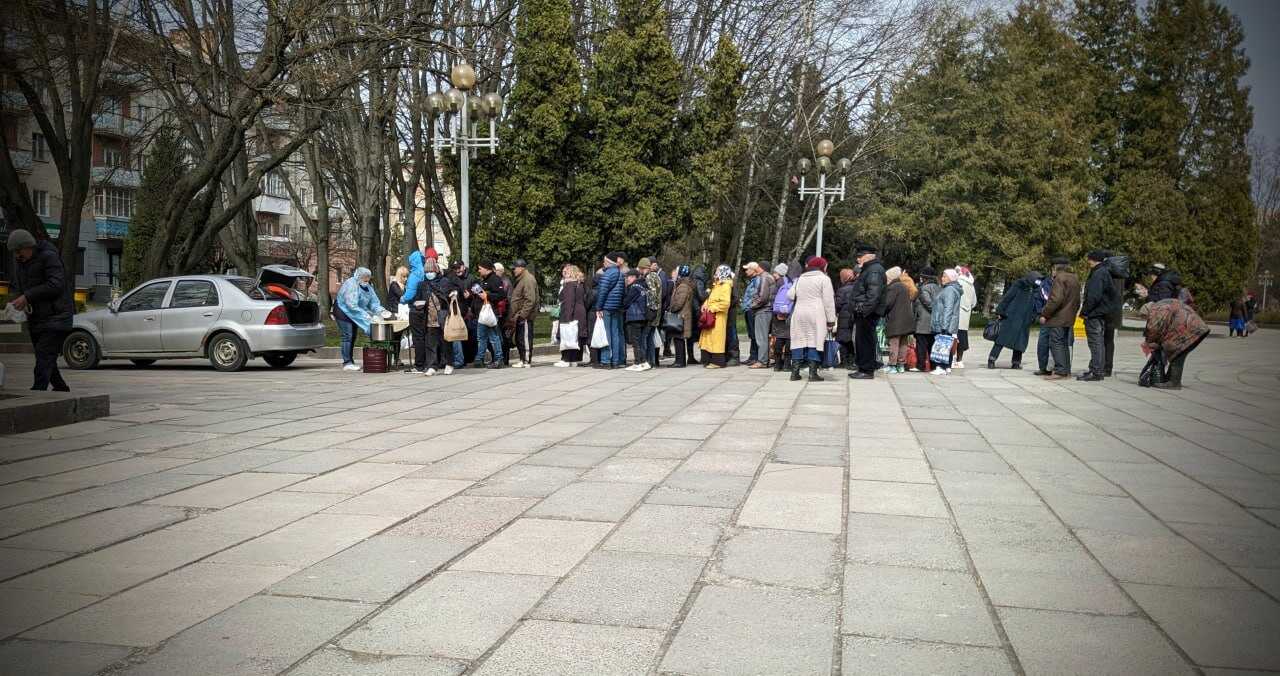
635 367
862 375
900 369
494 365
888 369
646 367
413 371
958 365
350 367
561 364
941 372
1042 372
448 370
1057 376
431 372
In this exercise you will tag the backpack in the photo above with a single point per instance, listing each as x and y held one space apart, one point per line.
1119 265
781 304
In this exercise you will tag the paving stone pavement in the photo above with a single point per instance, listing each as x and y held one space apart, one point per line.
574 521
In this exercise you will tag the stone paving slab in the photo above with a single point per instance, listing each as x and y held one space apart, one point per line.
988 522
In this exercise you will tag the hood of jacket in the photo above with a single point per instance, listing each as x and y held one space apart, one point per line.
906 280
415 263
699 273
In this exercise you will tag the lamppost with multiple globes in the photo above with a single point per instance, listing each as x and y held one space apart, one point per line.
1264 280
825 164
464 134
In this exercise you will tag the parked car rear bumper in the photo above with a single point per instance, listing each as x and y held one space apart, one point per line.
284 338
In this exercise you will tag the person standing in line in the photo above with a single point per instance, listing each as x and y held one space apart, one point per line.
490 293
899 317
752 271
1044 339
713 341
780 317
573 308
945 318
635 304
682 303
522 309
868 307
1058 318
609 295
732 345
968 301
651 274
43 293
1100 299
762 315
427 311
668 287
929 290
702 291
592 283
812 317
845 317
508 327
460 283
1117 267
1015 312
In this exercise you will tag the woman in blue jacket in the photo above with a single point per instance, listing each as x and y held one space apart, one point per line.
357 306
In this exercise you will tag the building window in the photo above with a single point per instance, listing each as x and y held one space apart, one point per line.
111 105
39 150
112 157
273 185
113 202
40 201
80 261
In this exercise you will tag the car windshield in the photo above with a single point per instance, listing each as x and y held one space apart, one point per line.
249 287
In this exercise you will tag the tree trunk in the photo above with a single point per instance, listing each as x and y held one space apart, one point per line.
781 221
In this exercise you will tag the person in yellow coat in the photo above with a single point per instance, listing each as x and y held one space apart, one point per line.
712 340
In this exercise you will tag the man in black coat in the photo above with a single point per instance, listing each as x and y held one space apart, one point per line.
1166 285
867 299
1100 301
43 292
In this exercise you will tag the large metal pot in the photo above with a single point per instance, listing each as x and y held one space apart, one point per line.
380 332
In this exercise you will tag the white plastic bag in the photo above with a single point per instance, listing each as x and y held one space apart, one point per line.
13 314
657 338
402 312
569 335
599 335
555 331
406 341
487 316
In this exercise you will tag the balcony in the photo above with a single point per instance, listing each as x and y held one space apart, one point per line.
21 160
271 205
114 124
111 228
116 176
13 102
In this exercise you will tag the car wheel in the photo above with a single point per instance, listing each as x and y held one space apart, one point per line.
80 351
279 360
142 362
227 352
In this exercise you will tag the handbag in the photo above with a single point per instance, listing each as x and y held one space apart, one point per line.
706 319
672 322
941 352
1153 372
911 361
599 335
455 328
569 335
487 317
992 330
831 352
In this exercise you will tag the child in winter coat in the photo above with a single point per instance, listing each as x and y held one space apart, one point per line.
635 304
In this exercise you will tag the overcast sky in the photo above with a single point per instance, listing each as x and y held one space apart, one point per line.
1261 21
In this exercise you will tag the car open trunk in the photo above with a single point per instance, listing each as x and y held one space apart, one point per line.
278 282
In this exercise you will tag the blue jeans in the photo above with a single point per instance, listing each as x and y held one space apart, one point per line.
617 340
348 331
459 346
490 336
751 333
802 354
731 348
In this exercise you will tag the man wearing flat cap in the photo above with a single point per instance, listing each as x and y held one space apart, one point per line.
867 299
43 293
1057 320
1100 301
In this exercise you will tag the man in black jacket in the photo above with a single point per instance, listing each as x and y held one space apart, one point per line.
1166 284
867 299
1100 301
44 294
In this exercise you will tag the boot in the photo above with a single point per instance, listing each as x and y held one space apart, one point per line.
813 372
1173 378
991 362
779 364
795 370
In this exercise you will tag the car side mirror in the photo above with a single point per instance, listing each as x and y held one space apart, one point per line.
114 306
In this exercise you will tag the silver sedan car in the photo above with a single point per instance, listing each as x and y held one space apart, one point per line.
226 319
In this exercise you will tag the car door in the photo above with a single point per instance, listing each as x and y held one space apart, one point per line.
135 325
192 309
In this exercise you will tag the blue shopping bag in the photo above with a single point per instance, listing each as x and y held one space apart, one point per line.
831 353
941 352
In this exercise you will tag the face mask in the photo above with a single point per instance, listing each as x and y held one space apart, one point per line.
364 285
431 275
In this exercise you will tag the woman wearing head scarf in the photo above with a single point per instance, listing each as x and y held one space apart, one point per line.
929 290
712 340
683 300
1174 328
968 301
899 317
812 317
357 306
780 325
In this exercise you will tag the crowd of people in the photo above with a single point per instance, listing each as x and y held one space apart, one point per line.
877 320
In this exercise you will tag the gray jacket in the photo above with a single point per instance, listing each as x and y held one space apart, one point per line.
929 290
946 309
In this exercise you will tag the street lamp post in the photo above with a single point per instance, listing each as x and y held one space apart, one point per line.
1264 280
822 192
464 136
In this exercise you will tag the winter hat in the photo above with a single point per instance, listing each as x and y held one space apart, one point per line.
866 249
644 263
780 269
892 273
815 263
613 256
20 239
633 273
431 253
683 271
1097 255
927 271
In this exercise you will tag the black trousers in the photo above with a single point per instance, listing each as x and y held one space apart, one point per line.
47 344
428 343
524 340
866 354
1094 332
682 349
924 346
635 336
1109 343
847 352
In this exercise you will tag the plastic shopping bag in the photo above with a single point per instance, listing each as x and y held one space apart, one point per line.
599 335
402 312
13 314
487 316
569 335
406 341
941 352
555 331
